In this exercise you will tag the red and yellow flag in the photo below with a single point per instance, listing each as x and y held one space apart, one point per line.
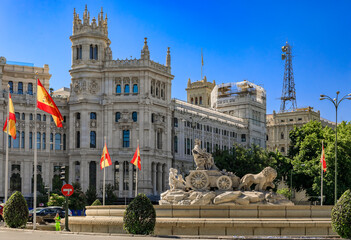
136 158
324 163
12 122
45 103
105 160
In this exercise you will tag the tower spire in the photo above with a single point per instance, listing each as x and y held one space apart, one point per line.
168 58
288 99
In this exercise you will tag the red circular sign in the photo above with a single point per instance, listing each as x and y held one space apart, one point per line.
67 190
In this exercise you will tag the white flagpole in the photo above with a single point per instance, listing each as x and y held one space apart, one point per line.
322 175
35 157
136 174
7 148
103 198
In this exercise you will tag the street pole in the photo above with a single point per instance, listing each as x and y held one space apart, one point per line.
336 103
291 184
66 216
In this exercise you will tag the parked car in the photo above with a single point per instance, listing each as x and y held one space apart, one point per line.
61 211
46 214
2 211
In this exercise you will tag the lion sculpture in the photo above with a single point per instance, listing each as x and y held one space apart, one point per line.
262 180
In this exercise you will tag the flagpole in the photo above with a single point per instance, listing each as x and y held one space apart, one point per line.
35 158
136 175
7 147
322 175
103 191
202 62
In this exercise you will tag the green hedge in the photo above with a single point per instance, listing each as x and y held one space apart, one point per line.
341 216
16 211
140 216
96 203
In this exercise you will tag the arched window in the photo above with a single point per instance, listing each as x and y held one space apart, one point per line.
78 139
282 135
15 180
135 88
125 175
16 142
152 90
93 115
282 150
118 116
192 101
64 141
57 141
196 100
92 174
11 86
38 140
135 116
152 117
79 52
23 138
38 117
156 91
92 139
30 140
30 88
126 139
31 116
96 52
51 141
175 144
23 116
17 114
44 118
78 116
118 89
20 88
91 52
161 93
200 101
44 140
126 88
116 175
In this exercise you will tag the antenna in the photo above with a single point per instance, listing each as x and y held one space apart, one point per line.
288 99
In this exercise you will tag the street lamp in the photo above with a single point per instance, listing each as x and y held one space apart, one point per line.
336 103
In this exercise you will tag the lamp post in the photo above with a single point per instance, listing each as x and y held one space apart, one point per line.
336 103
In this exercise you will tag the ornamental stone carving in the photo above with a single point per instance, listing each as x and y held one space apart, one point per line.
93 87
79 86
176 180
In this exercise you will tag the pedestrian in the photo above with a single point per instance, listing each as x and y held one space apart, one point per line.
57 222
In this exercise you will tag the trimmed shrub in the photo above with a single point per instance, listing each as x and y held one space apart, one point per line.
56 200
96 203
16 211
341 216
140 216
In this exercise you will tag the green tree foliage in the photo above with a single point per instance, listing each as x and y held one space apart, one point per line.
241 160
140 216
341 216
305 152
56 184
96 203
16 211
286 192
111 198
77 200
56 200
91 195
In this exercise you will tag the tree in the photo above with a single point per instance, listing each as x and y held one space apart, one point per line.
56 200
91 195
341 216
305 152
16 211
77 200
111 198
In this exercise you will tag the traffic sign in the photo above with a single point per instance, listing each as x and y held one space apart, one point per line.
67 190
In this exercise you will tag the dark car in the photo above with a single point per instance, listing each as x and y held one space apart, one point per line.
45 214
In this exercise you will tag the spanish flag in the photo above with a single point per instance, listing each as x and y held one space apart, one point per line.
12 122
136 158
324 163
105 160
45 103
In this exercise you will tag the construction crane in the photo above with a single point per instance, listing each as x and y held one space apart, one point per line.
288 99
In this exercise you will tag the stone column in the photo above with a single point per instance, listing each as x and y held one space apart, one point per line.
154 170
159 176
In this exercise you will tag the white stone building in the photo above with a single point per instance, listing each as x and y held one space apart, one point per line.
125 101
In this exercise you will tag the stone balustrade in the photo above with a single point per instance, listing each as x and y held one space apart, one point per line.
216 220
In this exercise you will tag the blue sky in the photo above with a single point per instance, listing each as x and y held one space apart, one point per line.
240 40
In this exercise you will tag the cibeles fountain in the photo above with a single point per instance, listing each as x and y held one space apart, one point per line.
207 185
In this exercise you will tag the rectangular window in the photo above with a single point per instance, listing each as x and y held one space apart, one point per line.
17 114
64 141
92 139
38 140
20 88
16 142
57 141
9 141
30 140
184 145
22 143
44 140
188 146
51 141
126 136
175 122
126 174
175 144
159 140
243 137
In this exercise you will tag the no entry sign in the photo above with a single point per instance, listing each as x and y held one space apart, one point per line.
67 190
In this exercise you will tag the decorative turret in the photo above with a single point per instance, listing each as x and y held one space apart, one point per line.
205 79
145 53
87 26
189 83
168 58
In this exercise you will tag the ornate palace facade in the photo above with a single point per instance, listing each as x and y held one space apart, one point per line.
128 101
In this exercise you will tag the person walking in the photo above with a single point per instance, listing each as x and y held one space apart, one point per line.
57 222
